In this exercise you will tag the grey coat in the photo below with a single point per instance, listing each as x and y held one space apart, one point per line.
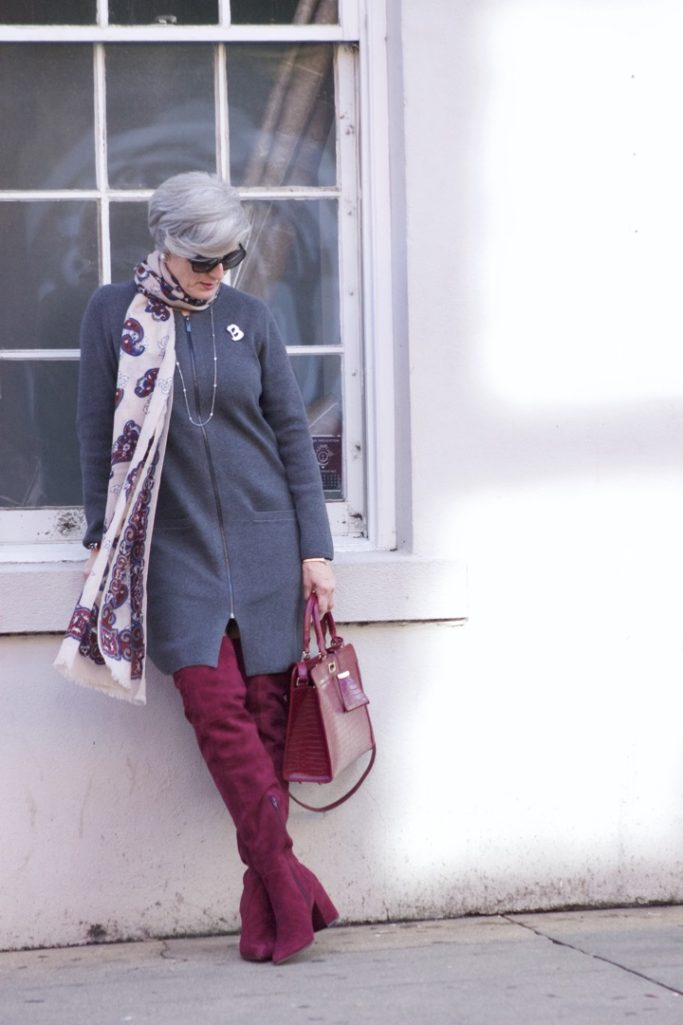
240 501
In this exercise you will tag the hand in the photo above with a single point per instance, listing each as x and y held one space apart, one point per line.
319 577
87 569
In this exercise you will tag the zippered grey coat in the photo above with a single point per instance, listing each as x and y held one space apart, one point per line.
240 500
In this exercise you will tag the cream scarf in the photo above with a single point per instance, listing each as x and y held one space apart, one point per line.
104 646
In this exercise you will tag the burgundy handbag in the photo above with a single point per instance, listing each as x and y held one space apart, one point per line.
328 725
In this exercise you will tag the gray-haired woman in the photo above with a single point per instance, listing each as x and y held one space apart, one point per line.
207 524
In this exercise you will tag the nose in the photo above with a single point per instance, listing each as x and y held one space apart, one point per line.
217 273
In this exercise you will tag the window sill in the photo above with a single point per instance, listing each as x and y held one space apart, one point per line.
40 584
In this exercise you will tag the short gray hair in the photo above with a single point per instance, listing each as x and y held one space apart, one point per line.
197 214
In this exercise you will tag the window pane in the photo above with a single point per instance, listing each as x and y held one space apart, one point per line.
293 265
281 110
46 116
145 12
130 238
38 447
319 378
48 267
160 113
284 12
47 12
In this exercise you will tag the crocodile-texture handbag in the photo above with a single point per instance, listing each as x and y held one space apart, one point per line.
328 724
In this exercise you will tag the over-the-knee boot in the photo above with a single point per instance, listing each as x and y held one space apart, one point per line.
215 704
266 700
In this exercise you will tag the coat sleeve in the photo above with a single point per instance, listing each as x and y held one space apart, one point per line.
95 411
283 408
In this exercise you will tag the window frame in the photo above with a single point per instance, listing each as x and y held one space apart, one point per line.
364 251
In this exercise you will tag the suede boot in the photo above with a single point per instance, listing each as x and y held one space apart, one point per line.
216 705
266 700
296 896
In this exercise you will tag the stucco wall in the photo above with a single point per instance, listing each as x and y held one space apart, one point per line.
546 371
532 757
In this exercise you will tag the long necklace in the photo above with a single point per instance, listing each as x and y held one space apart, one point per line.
188 329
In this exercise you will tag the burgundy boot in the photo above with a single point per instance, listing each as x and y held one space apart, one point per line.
257 935
215 705
267 700
296 896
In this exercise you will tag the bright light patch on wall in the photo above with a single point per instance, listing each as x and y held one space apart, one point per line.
581 176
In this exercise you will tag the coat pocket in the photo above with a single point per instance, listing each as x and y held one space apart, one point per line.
274 516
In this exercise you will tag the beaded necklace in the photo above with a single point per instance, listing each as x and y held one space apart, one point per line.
188 329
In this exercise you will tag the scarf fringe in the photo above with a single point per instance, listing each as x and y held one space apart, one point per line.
73 668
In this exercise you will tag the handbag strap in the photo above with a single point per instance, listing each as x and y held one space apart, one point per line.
346 796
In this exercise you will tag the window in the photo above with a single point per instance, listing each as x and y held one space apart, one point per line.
96 110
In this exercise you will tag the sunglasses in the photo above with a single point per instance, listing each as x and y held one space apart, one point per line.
227 262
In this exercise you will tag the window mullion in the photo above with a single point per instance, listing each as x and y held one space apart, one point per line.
23 355
222 114
224 15
101 173
170 34
315 350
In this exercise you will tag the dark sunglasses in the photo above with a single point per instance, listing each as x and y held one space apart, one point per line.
227 262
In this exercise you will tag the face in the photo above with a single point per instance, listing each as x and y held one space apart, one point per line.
198 286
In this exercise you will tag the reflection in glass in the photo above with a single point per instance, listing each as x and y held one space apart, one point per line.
46 116
38 448
319 378
281 112
160 113
48 268
292 263
284 12
130 238
147 12
48 12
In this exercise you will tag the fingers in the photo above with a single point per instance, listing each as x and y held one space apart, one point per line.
318 577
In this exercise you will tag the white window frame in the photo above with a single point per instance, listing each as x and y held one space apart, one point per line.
366 520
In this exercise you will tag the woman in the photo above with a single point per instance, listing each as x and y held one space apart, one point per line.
207 525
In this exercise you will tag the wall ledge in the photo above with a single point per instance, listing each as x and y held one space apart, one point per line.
372 587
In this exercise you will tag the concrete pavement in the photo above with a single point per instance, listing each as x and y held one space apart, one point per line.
575 968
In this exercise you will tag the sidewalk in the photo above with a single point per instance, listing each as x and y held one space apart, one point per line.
576 968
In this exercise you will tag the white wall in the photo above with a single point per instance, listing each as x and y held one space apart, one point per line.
531 758
545 326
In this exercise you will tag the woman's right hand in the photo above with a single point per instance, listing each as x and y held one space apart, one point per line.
87 569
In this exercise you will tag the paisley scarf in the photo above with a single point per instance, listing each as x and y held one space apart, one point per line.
104 645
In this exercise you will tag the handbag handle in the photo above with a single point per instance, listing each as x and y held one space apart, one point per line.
312 618
322 625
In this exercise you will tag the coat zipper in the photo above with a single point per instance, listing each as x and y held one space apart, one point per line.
212 469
